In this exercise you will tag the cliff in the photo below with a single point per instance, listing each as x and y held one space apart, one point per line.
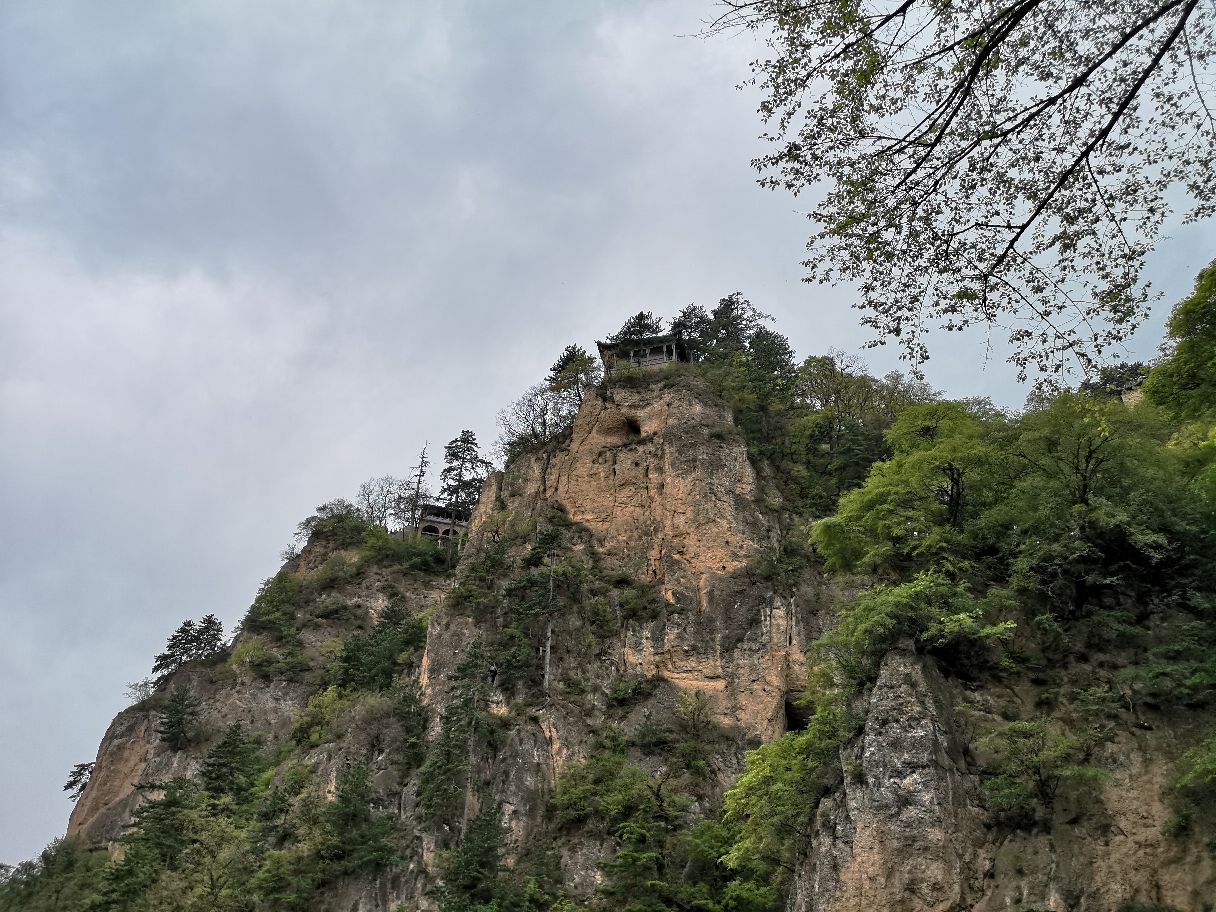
613 585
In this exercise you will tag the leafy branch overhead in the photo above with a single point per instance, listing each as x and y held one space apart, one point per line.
1002 165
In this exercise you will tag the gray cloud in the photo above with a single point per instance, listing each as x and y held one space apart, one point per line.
255 253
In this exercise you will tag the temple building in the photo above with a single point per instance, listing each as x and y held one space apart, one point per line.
652 351
439 521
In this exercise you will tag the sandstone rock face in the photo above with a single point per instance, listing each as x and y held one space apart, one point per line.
131 752
662 480
659 480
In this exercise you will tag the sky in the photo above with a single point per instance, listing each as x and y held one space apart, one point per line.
253 254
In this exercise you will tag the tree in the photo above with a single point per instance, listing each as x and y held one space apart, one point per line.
464 473
533 419
357 839
732 323
138 691
339 522
177 720
1184 383
177 651
914 507
78 780
641 325
575 371
190 642
210 639
1029 762
379 499
993 164
232 766
692 326
418 492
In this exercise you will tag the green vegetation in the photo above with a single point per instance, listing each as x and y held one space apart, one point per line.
665 857
178 718
1194 790
1030 761
1001 545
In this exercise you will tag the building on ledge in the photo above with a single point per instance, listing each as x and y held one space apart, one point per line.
438 521
652 351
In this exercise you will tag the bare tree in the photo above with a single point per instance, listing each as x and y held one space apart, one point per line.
1001 163
531 420
408 510
379 499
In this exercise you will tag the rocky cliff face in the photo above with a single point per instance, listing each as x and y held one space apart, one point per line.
907 832
654 486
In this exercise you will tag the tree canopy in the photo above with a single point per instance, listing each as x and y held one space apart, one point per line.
995 164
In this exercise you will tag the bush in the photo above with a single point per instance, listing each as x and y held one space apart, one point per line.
274 611
411 553
314 724
1194 789
930 610
640 602
629 689
1030 761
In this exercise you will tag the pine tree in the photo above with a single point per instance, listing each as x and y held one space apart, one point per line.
177 720
188 642
571 375
639 326
464 473
210 638
178 650
232 765
357 838
78 780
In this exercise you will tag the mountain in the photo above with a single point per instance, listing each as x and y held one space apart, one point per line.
639 688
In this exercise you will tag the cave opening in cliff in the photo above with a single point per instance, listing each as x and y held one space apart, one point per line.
635 429
797 713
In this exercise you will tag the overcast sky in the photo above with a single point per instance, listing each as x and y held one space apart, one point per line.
254 253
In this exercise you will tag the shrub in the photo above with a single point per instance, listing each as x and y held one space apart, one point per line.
1194 789
314 724
274 611
629 689
640 602
930 610
414 553
1030 760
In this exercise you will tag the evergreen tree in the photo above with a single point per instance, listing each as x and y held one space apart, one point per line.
639 326
177 720
571 375
189 642
472 879
464 473
731 325
692 325
232 765
178 650
78 780
210 638
357 839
